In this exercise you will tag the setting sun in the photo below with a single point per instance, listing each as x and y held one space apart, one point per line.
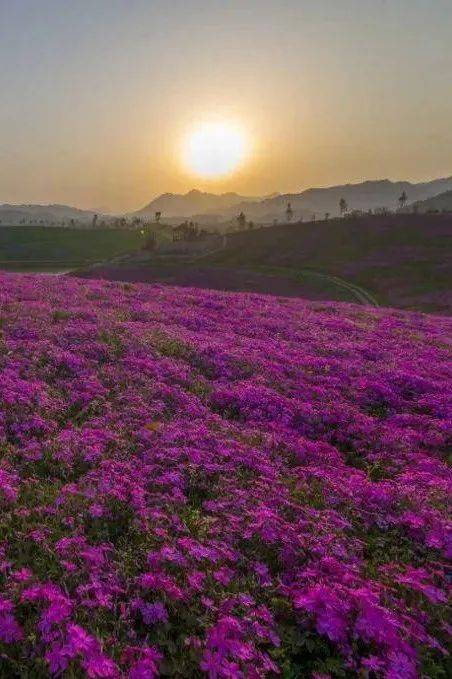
215 149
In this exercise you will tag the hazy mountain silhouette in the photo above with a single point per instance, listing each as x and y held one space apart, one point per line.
194 202
210 208
16 214
441 202
367 195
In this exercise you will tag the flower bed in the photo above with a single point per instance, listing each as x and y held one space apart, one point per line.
226 485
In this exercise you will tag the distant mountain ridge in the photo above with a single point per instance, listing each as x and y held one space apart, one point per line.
19 214
192 203
214 209
368 195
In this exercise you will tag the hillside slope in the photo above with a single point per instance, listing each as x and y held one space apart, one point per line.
217 485
441 202
405 260
17 214
41 247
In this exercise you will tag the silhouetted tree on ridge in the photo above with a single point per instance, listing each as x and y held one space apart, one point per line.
289 212
403 200
343 207
241 220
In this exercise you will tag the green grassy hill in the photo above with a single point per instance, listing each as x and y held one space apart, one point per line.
40 247
440 203
402 260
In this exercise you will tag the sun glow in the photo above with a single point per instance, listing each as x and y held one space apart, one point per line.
215 149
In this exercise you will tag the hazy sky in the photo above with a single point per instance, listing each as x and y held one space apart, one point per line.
96 95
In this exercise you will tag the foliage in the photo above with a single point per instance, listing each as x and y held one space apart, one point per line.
226 485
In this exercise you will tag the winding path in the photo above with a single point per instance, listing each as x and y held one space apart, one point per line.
361 294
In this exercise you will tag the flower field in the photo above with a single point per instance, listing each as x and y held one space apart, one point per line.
197 483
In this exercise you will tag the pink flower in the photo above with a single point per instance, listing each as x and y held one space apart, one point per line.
223 575
145 662
96 511
329 611
99 665
80 641
10 630
196 580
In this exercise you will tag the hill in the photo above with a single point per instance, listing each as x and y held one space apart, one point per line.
194 480
40 247
404 260
50 214
178 206
440 203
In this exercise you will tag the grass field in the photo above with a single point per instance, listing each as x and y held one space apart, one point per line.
395 260
401 260
43 248
284 282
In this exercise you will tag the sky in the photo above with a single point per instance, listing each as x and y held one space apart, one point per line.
97 96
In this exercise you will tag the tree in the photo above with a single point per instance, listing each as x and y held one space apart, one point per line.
158 216
251 225
403 200
241 220
343 207
289 212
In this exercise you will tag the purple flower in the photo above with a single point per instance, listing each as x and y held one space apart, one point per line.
10 630
154 613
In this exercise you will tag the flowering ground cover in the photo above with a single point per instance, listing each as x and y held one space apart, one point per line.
196 483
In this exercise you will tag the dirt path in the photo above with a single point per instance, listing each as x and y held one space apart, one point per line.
362 296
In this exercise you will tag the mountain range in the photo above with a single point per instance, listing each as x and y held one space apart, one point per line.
213 209
368 195
175 205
